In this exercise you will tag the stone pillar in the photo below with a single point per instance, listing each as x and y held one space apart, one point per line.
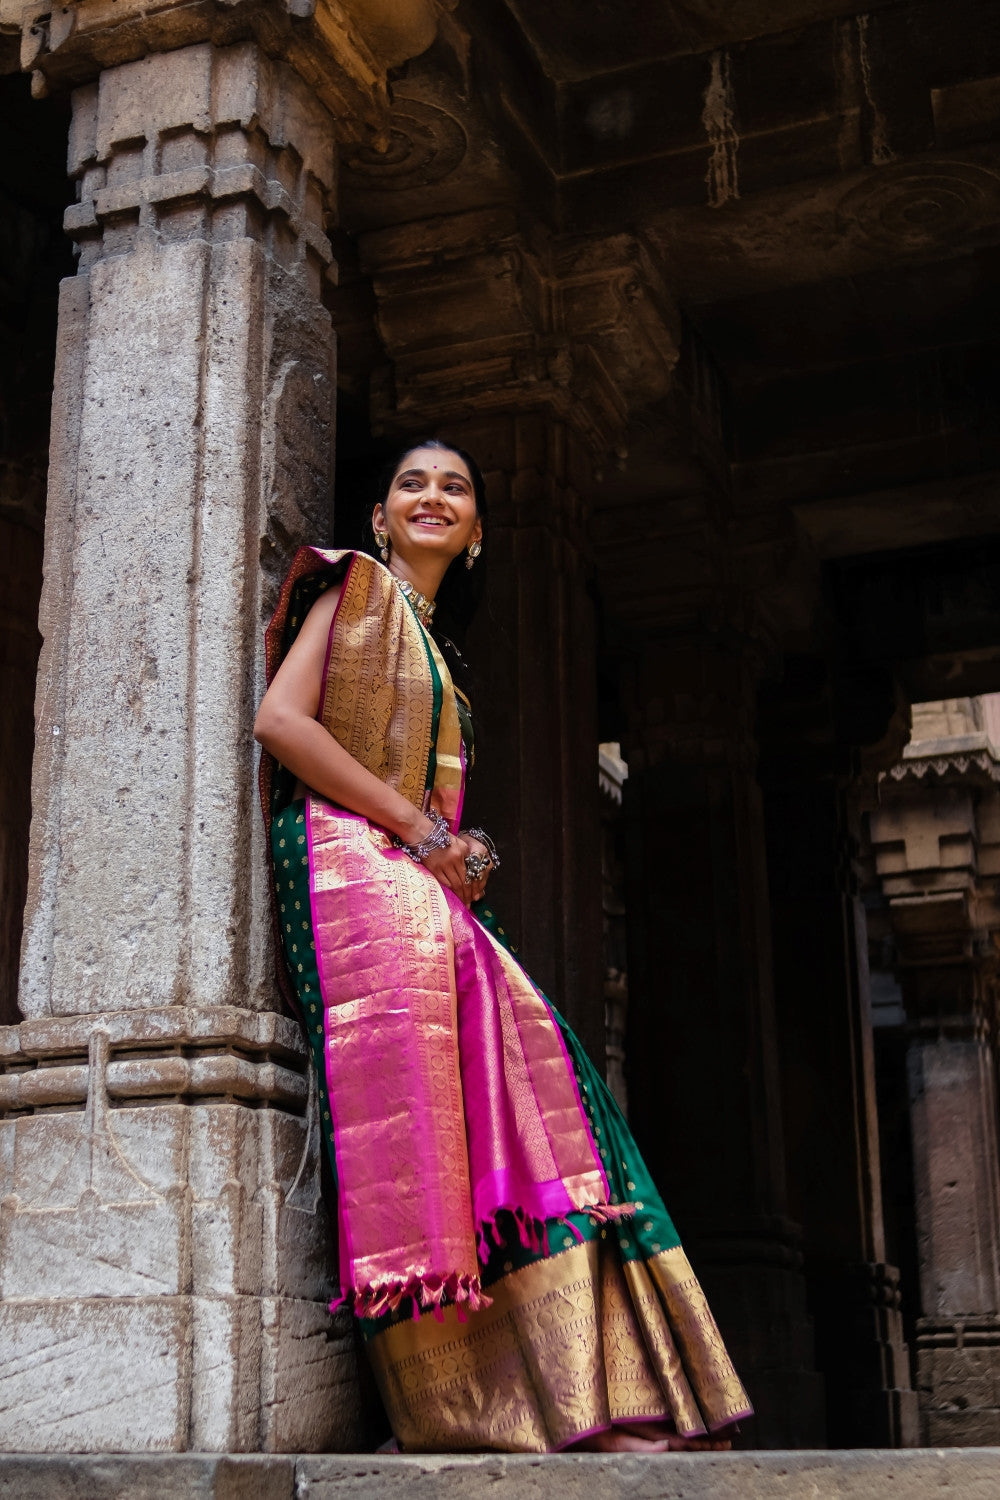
164 1263
952 1075
703 1072
936 838
828 1095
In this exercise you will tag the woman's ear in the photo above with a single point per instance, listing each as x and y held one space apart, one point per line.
378 518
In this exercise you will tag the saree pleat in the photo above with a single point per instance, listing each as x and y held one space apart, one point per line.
485 1174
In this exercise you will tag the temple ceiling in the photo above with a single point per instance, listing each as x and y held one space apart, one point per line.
818 189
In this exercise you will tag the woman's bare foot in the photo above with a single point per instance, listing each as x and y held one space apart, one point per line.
618 1440
647 1437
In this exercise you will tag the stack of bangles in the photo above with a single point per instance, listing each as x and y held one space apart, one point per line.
476 865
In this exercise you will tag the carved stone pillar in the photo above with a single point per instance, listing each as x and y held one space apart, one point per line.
703 1071
936 838
828 1095
163 1252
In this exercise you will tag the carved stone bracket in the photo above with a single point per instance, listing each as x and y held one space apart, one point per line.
478 318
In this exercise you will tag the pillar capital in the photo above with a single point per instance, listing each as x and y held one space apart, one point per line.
342 50
204 143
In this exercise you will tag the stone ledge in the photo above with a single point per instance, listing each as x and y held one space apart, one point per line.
858 1474
146 1476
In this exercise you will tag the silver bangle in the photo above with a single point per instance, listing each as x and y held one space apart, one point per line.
438 838
484 838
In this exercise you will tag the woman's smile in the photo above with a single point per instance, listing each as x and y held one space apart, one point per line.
425 518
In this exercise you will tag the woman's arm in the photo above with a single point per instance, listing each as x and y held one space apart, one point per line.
287 727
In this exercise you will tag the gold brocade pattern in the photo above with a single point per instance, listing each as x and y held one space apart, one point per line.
377 699
564 1350
418 1112
716 1384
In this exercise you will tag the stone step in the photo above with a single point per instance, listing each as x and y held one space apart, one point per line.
855 1474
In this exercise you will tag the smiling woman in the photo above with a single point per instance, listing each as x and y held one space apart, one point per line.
484 1172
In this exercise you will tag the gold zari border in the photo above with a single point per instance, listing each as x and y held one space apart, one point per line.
571 1344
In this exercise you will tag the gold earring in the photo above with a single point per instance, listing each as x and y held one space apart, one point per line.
474 552
382 543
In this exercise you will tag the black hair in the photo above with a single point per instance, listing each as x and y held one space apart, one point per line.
462 588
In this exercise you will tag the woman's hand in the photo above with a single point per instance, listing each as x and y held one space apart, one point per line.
448 867
477 887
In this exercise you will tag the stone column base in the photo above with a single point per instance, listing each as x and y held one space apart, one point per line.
958 1376
164 1245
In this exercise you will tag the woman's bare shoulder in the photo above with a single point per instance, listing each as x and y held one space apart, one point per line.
320 615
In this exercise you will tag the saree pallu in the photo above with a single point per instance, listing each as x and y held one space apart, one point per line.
516 1277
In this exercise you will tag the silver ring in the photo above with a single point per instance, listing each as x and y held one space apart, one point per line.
476 865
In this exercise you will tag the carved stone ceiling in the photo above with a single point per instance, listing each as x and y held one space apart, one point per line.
819 189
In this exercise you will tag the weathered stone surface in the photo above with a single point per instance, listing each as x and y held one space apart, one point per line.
200 291
194 1476
911 1475
309 1381
918 1474
164 1250
97 1374
109 1220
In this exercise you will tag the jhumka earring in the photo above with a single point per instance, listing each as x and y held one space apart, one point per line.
474 552
382 543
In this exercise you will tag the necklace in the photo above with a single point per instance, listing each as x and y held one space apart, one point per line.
423 606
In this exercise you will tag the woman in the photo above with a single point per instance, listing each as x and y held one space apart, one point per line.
484 1172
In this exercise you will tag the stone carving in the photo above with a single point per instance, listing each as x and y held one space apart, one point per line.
476 319
923 205
718 118
422 144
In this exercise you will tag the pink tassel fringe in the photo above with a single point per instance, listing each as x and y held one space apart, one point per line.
427 1294
531 1232
610 1213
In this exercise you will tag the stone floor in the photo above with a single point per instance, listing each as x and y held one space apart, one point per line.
912 1474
